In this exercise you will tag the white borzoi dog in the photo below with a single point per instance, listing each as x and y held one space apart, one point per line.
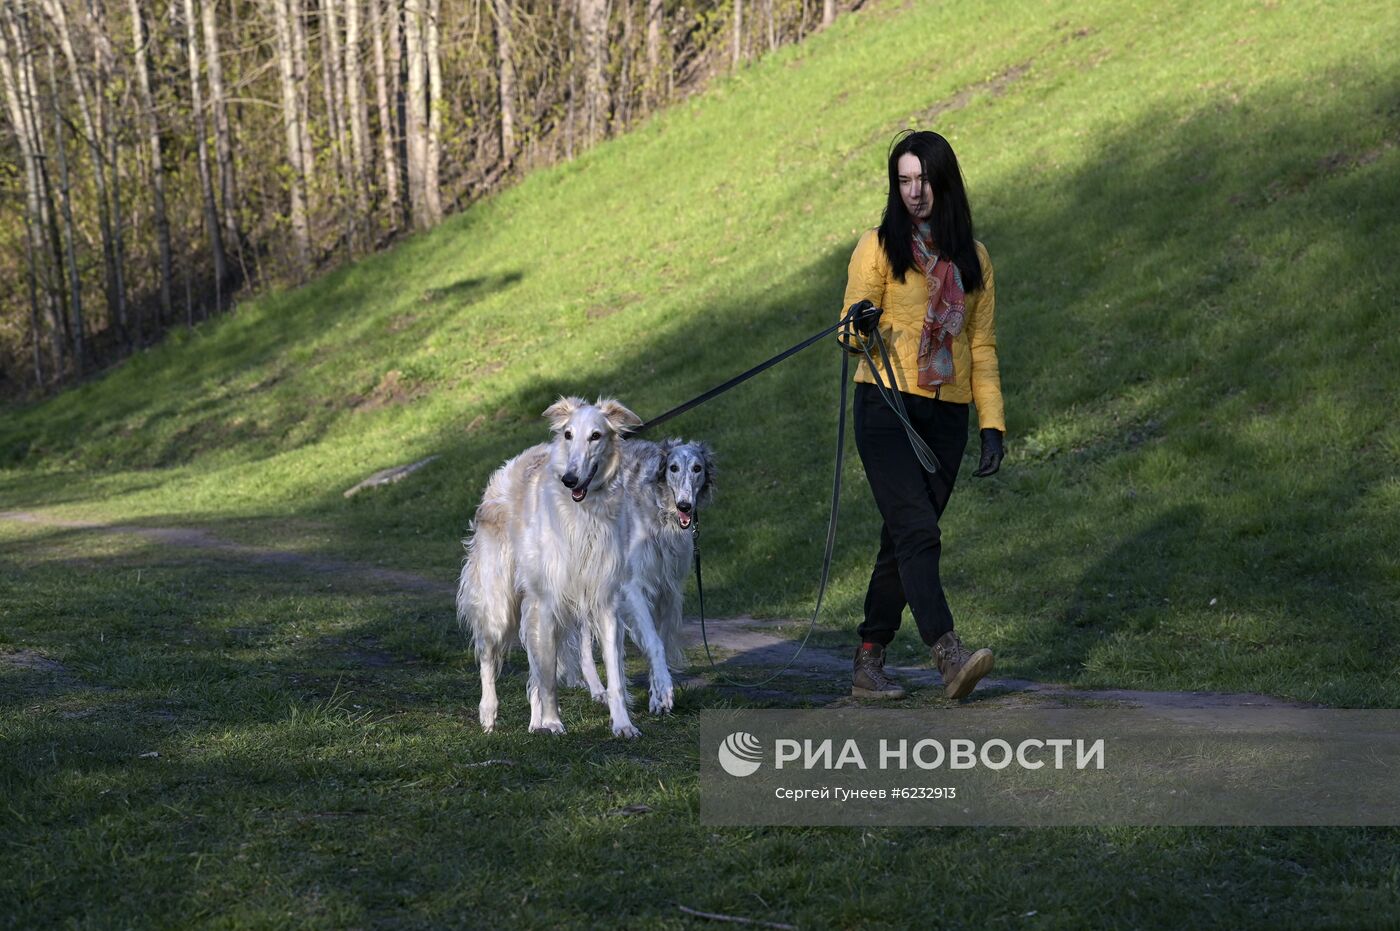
665 487
546 558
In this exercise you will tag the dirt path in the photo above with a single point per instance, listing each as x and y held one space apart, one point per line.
745 648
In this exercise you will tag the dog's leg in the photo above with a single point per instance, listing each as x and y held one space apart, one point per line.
490 660
590 667
660 690
610 637
541 645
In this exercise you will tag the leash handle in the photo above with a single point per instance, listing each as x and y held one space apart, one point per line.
892 396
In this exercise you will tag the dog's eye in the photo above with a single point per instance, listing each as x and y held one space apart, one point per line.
595 436
568 434
695 468
675 468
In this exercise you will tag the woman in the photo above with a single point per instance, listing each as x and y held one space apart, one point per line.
926 284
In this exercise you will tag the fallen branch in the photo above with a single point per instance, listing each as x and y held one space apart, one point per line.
389 476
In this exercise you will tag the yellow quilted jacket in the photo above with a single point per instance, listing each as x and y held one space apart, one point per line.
976 378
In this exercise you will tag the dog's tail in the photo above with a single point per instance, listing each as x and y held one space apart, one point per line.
487 604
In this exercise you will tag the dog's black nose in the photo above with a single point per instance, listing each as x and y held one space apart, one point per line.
569 479
684 506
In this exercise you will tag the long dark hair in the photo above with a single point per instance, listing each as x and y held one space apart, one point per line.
951 220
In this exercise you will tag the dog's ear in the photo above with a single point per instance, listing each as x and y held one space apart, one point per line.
619 418
708 455
655 463
561 410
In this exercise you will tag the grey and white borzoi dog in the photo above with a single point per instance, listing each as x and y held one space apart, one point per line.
547 558
665 486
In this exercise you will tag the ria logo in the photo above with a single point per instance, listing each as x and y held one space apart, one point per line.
740 754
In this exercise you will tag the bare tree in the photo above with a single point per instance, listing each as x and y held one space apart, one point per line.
116 296
296 12
415 109
20 106
333 90
148 108
655 14
432 181
223 134
75 286
593 22
828 12
292 127
206 180
355 105
505 77
738 55
388 125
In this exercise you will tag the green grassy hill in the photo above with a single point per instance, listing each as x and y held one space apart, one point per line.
1192 211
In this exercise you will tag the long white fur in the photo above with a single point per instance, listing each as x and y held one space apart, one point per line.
550 567
663 482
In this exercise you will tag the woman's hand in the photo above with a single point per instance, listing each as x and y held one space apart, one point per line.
993 451
864 316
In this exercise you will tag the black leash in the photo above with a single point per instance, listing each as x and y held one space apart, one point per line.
891 395
826 555
737 379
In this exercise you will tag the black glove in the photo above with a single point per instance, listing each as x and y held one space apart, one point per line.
992 453
864 316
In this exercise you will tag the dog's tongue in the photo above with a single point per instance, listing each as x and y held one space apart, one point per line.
684 518
579 494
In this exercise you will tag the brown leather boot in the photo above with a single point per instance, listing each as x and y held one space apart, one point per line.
960 669
868 678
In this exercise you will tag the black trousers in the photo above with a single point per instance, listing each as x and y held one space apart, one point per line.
911 501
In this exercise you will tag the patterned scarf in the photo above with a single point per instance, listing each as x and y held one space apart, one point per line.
947 311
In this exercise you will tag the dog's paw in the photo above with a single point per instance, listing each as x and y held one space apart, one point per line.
626 730
548 727
488 719
662 701
600 696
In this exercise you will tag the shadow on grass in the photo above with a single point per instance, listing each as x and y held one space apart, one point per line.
1176 412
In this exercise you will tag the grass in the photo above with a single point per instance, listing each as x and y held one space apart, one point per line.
1191 211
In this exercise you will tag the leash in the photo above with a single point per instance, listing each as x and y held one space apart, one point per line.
847 338
826 555
737 379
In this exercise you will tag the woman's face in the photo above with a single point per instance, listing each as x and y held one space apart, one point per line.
914 188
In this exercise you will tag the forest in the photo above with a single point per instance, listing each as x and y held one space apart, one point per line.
161 159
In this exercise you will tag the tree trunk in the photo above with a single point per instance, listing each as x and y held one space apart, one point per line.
398 103
416 130
505 73
436 105
106 72
828 12
76 334
296 12
13 78
330 87
655 13
387 123
206 180
292 128
223 135
162 221
355 105
593 21
116 299
738 55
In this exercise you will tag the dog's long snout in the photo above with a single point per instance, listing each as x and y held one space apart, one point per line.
684 506
569 479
